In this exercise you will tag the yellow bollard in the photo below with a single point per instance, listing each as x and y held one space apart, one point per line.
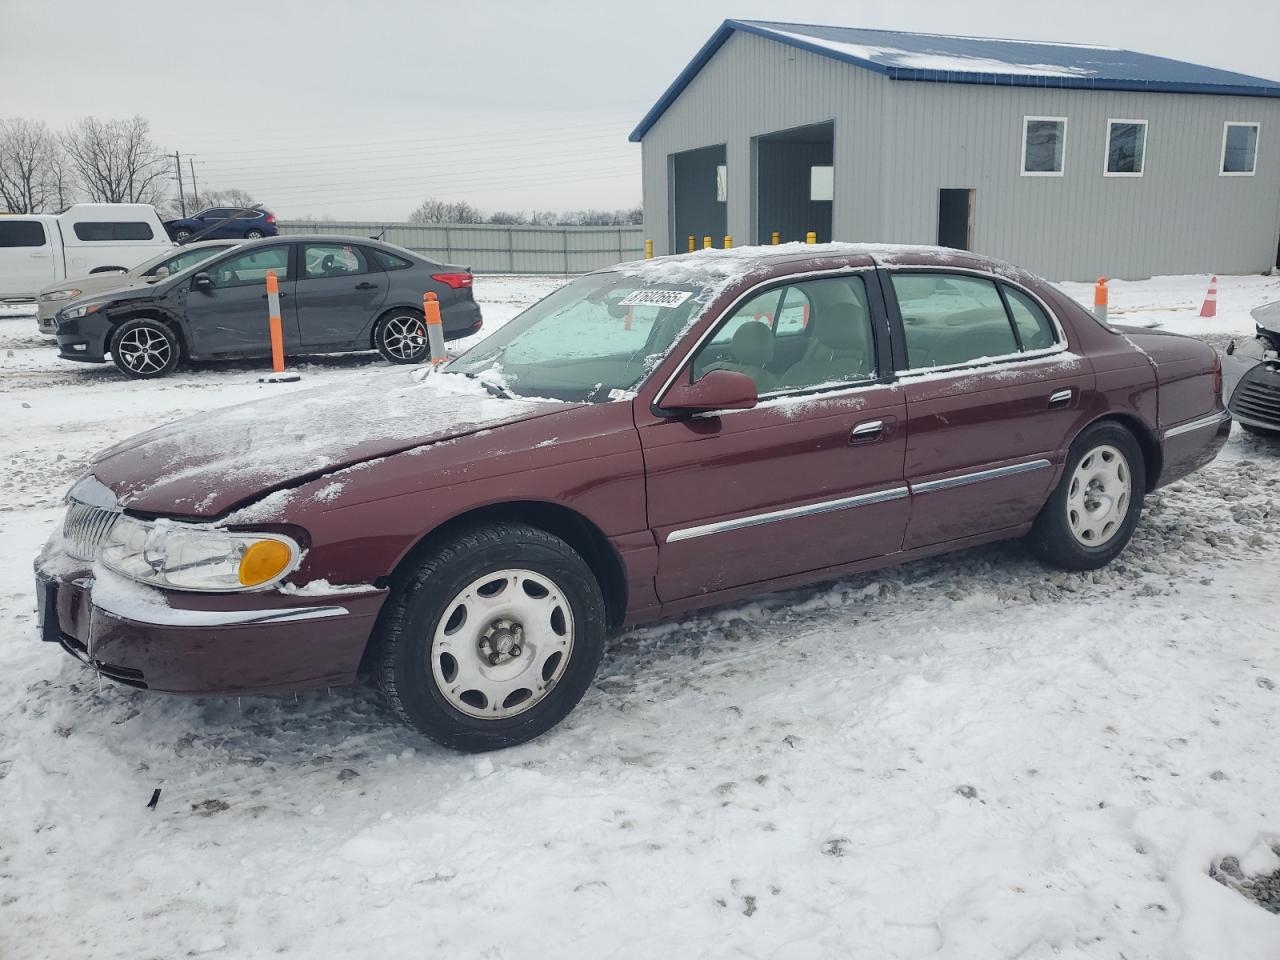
776 238
706 243
810 237
691 244
648 249
728 242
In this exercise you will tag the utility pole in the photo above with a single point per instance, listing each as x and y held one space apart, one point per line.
195 193
182 199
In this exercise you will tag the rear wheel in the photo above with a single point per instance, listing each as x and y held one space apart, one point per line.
144 349
253 234
1090 515
401 337
494 638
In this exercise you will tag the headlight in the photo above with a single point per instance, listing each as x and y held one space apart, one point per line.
76 312
186 556
61 295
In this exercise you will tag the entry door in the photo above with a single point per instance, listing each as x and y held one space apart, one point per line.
338 295
809 478
984 437
955 218
233 317
26 257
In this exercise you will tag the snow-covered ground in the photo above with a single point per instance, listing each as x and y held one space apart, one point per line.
967 757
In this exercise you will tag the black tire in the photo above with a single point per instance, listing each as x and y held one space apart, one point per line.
181 235
144 349
409 652
1051 538
254 234
401 336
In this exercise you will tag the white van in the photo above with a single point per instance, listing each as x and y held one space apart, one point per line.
38 249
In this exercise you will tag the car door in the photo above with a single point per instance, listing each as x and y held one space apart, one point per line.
809 478
339 293
231 316
218 223
993 401
27 260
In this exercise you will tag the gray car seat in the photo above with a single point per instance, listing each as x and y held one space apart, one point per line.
840 347
752 351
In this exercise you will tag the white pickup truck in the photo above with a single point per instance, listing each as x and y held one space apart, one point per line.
39 249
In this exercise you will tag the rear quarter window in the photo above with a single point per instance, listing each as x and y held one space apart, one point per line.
389 261
21 233
92 231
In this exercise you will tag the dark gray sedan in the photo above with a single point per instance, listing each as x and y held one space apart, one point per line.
337 295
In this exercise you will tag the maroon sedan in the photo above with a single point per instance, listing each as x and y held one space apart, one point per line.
649 439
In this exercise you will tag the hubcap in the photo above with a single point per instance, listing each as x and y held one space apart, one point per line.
143 350
1098 499
502 644
404 337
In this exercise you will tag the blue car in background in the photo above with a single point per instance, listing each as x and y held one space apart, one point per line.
223 223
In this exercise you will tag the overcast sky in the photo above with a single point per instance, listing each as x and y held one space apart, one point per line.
360 109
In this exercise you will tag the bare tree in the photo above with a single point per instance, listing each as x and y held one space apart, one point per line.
234 197
28 164
116 160
444 211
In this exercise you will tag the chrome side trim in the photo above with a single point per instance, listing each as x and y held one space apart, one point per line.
1212 420
791 513
929 486
174 617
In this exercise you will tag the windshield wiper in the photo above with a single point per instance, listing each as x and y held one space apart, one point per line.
497 389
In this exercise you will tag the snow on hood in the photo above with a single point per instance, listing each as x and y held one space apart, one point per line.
206 464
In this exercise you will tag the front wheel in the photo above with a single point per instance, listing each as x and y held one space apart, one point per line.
1091 514
493 639
181 235
145 349
401 337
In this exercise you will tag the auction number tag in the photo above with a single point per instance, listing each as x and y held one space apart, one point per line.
656 298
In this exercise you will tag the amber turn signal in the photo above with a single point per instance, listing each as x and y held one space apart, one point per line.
263 561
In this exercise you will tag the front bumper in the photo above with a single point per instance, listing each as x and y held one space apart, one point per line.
241 643
84 338
1256 398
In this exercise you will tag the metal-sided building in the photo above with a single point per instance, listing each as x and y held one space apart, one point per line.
1073 161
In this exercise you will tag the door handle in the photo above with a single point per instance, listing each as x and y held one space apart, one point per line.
1060 399
867 432
282 295
366 285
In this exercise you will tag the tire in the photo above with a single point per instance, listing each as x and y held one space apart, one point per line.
493 639
181 235
401 337
1090 515
254 234
145 349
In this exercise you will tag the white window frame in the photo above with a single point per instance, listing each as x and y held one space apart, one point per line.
1257 147
1022 154
1106 156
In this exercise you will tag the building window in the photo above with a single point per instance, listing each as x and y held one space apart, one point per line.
722 183
822 183
1044 142
1239 149
1126 148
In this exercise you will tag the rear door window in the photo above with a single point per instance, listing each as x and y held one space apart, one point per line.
21 233
949 319
332 260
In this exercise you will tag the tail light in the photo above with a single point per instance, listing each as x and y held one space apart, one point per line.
271 219
458 281
1217 375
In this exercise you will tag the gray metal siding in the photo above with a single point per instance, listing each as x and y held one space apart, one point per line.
490 248
898 142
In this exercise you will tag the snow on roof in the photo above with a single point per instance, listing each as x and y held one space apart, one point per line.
979 60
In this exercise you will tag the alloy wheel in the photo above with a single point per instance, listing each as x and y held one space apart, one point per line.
143 351
404 337
502 644
1099 495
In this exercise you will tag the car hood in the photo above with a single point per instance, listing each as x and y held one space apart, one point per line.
210 463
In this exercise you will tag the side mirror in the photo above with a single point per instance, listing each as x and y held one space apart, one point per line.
717 390
202 281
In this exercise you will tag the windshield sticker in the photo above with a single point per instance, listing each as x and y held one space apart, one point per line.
656 298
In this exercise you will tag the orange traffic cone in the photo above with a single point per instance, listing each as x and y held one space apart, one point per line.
1210 308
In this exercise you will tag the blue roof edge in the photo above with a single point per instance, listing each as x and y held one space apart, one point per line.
727 28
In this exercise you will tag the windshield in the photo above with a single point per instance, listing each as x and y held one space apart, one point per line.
592 340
